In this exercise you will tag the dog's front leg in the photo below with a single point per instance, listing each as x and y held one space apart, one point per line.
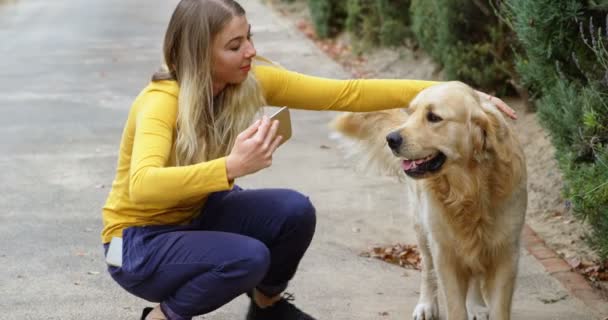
453 282
476 306
426 309
500 285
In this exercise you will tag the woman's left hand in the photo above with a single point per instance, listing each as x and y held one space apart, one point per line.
501 105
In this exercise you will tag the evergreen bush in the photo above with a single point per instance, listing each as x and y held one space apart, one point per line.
565 64
377 22
328 16
468 39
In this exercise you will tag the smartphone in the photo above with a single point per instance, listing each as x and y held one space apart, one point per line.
114 254
284 119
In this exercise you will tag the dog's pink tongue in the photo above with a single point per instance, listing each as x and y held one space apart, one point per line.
407 164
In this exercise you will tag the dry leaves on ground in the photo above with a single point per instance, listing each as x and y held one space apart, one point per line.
595 272
404 255
591 270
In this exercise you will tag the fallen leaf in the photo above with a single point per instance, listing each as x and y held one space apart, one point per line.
406 256
592 271
574 262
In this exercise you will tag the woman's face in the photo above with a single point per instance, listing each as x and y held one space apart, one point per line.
232 53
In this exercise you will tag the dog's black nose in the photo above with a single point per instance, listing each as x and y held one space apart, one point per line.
394 140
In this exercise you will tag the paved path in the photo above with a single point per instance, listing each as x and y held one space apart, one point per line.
71 69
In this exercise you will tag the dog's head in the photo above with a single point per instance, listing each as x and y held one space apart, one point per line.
448 127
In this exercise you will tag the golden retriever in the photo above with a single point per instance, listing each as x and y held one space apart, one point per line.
466 174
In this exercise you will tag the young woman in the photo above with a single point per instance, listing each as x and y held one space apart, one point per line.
192 240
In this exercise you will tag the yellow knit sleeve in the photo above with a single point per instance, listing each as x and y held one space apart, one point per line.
151 179
287 88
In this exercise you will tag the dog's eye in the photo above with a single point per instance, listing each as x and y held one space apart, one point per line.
431 117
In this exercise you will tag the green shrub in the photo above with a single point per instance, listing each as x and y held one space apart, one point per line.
377 22
424 14
587 189
467 39
547 30
565 63
327 16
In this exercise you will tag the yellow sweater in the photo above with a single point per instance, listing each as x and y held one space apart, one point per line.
148 191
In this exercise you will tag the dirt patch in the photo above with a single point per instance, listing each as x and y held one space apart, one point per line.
549 214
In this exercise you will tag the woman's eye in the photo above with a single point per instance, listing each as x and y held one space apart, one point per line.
431 117
235 46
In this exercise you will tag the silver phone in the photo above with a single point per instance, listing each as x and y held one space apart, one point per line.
284 118
114 254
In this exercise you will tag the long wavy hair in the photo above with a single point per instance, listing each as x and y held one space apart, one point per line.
207 126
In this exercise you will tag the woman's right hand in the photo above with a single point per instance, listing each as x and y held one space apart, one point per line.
253 149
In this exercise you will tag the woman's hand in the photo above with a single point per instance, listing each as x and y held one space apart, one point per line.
501 105
253 149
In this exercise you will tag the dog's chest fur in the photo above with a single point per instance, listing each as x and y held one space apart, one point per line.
470 222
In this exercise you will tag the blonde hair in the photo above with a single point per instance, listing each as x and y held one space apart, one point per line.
207 126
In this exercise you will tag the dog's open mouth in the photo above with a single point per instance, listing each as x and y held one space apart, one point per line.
419 167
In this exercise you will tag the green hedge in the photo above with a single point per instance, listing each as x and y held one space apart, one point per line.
464 36
378 22
371 22
565 64
467 39
328 16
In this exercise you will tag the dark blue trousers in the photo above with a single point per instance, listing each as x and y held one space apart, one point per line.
243 239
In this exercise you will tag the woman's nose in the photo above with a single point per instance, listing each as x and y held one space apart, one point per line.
250 51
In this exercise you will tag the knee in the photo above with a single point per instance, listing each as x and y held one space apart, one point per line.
300 211
256 261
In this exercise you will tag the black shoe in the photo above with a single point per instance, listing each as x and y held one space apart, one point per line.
144 313
281 310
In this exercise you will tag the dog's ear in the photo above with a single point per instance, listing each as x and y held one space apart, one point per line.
479 122
490 129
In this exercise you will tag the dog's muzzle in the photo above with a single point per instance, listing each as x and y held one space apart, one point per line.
394 140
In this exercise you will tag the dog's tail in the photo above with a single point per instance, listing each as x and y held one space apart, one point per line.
363 136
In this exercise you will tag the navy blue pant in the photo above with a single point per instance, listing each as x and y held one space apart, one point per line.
243 239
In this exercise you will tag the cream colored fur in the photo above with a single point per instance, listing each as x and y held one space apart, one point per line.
470 213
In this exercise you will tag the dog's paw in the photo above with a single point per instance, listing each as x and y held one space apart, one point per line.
426 311
479 313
